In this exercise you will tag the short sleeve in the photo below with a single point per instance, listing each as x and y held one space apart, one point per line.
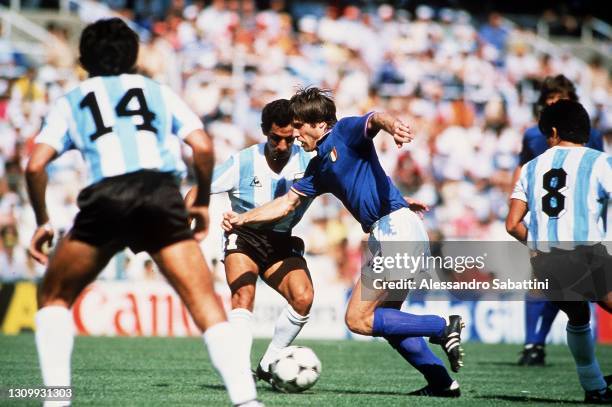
604 177
309 185
55 130
184 120
224 176
353 130
520 189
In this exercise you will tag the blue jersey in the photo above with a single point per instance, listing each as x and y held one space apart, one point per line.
347 166
250 183
121 124
534 143
567 191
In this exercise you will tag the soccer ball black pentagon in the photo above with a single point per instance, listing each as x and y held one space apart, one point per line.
296 369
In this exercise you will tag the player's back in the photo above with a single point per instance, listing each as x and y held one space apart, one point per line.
121 124
567 190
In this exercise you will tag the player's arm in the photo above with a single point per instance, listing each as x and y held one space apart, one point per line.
203 163
400 132
514 220
36 183
270 212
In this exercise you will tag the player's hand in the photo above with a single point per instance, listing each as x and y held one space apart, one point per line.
43 235
401 133
199 214
416 206
230 220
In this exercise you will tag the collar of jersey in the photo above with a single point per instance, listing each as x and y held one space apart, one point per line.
323 147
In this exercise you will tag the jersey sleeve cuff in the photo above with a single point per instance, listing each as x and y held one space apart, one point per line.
300 193
365 127
519 196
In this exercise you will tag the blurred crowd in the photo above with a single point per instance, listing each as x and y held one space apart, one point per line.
466 86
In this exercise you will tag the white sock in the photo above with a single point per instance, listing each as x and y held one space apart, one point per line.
288 326
241 318
54 342
222 340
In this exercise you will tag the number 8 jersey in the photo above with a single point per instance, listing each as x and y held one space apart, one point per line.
567 191
121 124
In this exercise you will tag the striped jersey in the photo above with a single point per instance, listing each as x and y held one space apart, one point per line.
121 124
250 183
567 191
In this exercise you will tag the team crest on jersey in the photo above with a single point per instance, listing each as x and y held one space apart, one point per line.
333 155
256 182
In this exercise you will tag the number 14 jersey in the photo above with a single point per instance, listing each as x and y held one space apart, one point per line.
121 124
567 191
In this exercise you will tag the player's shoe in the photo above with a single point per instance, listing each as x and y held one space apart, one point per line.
452 391
260 374
451 342
532 355
598 396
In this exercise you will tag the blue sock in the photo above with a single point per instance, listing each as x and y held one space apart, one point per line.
582 346
549 312
418 354
390 321
533 311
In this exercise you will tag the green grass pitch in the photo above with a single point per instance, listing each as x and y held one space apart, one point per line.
176 371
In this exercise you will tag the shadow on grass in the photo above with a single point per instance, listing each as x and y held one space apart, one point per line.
526 399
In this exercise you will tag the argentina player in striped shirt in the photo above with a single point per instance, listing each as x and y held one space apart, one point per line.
251 178
566 191
127 128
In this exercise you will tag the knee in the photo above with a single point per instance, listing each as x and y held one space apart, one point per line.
301 299
244 297
359 323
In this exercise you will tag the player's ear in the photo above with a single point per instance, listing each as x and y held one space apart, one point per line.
555 134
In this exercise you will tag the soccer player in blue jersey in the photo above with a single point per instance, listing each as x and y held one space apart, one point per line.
566 190
126 126
539 313
253 177
347 166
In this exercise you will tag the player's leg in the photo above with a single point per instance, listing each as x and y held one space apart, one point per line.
184 265
73 265
404 332
582 347
290 278
539 317
241 273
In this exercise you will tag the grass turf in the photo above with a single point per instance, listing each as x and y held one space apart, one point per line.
176 371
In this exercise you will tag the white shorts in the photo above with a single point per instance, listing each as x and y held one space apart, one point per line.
404 226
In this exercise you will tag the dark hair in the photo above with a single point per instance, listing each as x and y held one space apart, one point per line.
276 112
569 118
557 84
313 105
108 47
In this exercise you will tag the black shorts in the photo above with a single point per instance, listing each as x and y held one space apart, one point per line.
142 210
264 247
581 274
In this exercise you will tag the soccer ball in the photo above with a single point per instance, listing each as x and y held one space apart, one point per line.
296 369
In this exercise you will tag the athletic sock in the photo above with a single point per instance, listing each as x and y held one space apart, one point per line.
288 326
549 312
417 353
222 340
533 312
582 346
393 322
54 341
241 318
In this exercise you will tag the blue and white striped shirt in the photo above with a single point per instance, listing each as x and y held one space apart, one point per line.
567 191
121 124
250 182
